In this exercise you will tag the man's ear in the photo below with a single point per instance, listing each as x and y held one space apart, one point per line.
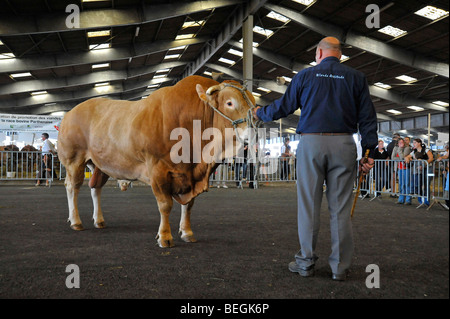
201 92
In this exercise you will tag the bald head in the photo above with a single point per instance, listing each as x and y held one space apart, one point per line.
327 47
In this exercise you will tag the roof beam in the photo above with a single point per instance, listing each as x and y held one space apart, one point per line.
78 95
233 26
102 18
373 46
94 56
85 79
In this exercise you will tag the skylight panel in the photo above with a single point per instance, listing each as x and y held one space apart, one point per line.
100 66
101 33
440 103
415 108
277 16
190 24
392 31
383 86
227 61
235 52
20 75
262 31
431 13
406 78
305 2
99 46
184 36
172 56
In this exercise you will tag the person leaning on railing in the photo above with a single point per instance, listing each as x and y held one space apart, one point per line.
399 153
419 183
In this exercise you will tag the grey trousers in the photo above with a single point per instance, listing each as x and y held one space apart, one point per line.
331 159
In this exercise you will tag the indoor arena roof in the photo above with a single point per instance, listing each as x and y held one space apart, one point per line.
125 49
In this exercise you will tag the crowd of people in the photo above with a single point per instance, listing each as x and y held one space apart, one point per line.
407 174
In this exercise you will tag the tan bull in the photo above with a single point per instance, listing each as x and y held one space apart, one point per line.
131 141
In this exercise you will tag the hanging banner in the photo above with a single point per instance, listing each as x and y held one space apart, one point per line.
29 123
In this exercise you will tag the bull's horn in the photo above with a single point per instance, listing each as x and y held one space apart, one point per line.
214 88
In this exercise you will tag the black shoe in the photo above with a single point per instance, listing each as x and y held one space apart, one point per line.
340 277
308 272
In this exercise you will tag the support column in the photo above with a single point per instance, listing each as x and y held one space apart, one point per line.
247 34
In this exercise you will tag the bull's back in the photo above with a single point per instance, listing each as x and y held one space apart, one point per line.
95 126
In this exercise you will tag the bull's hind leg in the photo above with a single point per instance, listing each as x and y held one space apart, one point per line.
185 231
96 183
73 182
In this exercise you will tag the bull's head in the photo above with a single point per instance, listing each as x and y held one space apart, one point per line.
231 101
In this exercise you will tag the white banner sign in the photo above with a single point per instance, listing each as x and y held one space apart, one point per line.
29 123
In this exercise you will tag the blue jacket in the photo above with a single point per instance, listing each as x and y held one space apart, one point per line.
333 98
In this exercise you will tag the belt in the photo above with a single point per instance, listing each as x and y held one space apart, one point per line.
326 134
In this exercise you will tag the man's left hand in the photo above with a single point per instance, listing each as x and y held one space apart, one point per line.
367 166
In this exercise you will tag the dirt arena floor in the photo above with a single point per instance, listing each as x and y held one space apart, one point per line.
246 238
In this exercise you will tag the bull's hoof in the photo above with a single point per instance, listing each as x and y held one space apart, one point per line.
188 238
165 243
77 227
100 225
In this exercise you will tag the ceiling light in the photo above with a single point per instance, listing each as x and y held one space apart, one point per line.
160 76
1 43
313 63
207 73
235 52
152 86
223 60
440 103
172 56
305 2
59 113
256 94
265 32
406 78
20 75
392 31
100 66
432 13
383 86
101 84
182 47
101 33
39 93
190 24
99 46
288 79
415 108
277 16
394 111
264 89
184 36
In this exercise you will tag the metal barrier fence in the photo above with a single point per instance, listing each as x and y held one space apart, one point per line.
24 165
417 179
428 182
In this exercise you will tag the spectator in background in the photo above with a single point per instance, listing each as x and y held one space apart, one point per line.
399 153
380 168
391 179
424 156
48 150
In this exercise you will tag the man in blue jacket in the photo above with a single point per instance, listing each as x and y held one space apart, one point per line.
335 103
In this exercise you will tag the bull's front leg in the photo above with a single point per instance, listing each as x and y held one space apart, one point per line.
164 236
185 231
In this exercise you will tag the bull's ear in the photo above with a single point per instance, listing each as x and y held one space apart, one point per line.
201 92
